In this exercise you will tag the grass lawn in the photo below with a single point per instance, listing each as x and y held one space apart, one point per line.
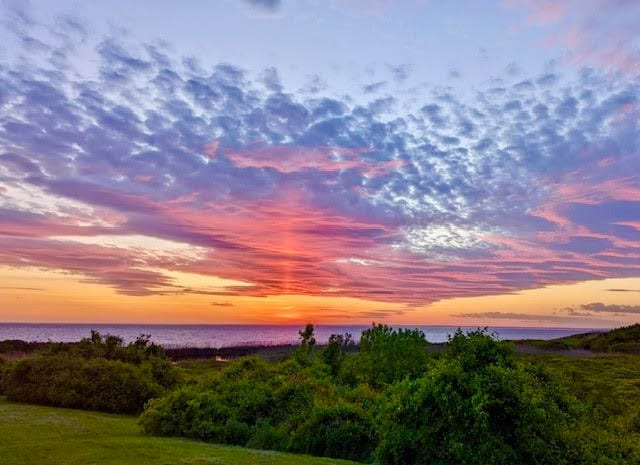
31 434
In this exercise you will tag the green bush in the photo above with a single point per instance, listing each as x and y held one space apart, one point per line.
339 431
286 406
97 384
478 349
96 374
245 396
473 403
474 406
16 346
388 355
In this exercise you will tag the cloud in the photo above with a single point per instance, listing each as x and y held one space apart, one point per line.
126 272
573 312
18 288
591 32
379 7
374 87
382 197
400 73
599 307
512 316
268 6
569 311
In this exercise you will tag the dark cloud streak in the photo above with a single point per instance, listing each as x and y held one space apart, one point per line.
269 6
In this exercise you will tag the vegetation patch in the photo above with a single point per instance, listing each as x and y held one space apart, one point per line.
391 400
31 434
619 340
394 402
96 374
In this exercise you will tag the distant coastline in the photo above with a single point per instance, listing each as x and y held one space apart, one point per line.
238 336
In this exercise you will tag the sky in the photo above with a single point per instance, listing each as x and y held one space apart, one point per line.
336 161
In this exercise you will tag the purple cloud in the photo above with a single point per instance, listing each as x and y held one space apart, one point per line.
519 186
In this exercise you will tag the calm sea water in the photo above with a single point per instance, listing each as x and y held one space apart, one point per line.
234 335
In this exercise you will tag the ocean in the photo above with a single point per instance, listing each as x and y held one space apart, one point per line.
216 336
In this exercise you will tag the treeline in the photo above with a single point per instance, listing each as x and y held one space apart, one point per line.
17 347
98 373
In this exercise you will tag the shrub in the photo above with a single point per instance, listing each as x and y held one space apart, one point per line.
16 346
96 374
98 384
388 355
474 403
258 404
477 349
473 407
339 431
244 397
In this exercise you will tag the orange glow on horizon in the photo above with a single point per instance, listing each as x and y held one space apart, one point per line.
34 295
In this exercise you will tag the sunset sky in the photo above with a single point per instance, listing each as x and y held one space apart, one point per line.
332 161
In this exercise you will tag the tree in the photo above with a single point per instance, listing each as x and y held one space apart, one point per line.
334 353
307 341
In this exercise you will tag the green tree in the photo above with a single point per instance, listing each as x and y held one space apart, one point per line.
307 342
334 353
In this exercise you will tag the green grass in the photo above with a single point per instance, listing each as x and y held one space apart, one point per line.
38 435
620 340
611 382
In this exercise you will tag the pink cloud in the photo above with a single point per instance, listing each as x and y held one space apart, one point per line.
111 266
289 159
631 224
286 245
593 32
545 12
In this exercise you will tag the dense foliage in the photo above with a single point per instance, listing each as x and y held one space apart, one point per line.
16 346
97 374
474 406
288 406
391 400
387 355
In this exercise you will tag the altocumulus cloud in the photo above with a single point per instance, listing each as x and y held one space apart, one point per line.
271 6
524 185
